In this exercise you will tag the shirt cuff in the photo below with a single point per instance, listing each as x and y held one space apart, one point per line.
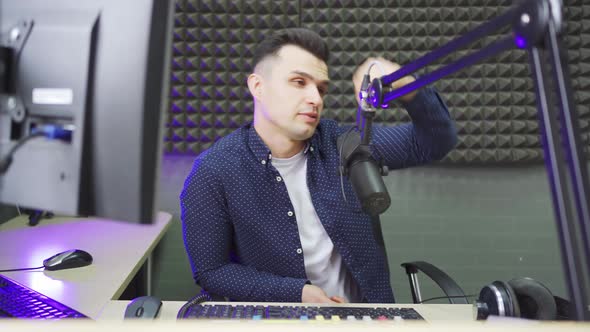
293 289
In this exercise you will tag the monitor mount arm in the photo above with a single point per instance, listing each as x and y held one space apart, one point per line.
11 45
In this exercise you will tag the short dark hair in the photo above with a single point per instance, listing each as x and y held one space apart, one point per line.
304 38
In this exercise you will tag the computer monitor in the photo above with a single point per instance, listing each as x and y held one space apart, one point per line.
98 72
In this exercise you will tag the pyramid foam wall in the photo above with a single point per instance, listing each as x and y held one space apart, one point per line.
492 103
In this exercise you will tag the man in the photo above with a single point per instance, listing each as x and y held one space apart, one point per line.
262 210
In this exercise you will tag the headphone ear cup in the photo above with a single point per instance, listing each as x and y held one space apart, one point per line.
512 301
516 310
500 300
535 300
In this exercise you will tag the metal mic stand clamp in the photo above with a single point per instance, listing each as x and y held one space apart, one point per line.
355 145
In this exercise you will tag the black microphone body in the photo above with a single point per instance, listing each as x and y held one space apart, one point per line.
364 173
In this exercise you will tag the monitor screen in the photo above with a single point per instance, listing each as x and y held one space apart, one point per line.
82 104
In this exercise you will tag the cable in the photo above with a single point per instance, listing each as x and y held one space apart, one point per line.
341 167
23 269
7 160
448 297
203 297
60 132
362 95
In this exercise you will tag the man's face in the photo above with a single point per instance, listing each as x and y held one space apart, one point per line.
289 92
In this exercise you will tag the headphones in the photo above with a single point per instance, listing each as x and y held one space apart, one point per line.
521 297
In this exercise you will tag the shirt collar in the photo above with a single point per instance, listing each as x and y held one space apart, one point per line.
257 146
262 152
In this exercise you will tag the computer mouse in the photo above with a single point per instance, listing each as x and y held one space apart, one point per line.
68 260
143 307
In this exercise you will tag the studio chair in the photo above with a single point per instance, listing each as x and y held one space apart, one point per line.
443 280
449 286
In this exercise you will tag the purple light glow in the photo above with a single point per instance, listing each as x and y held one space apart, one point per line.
190 109
40 280
190 80
175 93
175 123
189 50
189 64
205 124
219 80
176 65
176 109
190 123
520 41
176 52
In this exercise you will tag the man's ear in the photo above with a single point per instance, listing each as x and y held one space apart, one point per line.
255 85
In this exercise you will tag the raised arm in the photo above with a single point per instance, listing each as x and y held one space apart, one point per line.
429 137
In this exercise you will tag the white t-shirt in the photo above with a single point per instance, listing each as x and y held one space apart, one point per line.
323 263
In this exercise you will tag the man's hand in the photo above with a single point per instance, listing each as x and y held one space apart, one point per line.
385 67
337 299
389 67
314 294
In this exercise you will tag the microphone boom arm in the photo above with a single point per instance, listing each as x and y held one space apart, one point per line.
536 25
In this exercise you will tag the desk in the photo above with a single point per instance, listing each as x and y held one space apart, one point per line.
439 317
433 313
119 250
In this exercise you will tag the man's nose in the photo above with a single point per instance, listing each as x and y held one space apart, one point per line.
314 96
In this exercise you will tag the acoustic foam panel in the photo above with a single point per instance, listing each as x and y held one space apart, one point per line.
492 103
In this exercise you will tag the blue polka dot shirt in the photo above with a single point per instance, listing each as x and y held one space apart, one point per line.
240 231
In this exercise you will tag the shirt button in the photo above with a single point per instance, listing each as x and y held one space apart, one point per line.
299 251
263 162
311 148
290 213
279 179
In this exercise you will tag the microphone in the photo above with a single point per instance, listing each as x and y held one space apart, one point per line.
357 163
364 173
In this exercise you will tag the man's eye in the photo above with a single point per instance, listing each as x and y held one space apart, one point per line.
299 82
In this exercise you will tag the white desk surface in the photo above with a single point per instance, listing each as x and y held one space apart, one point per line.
441 317
118 249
